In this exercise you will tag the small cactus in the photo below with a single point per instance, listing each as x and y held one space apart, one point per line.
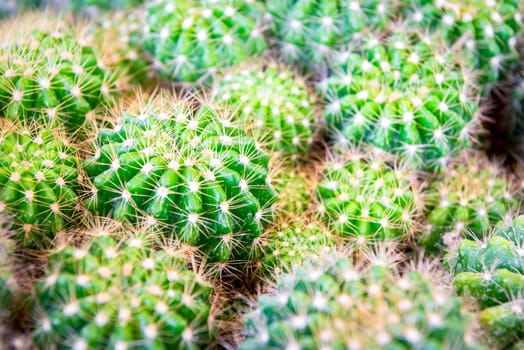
492 273
337 305
404 95
366 200
470 196
274 104
116 291
191 39
191 169
39 183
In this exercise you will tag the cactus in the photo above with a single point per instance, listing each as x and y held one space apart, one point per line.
49 71
39 183
337 305
366 200
471 195
191 39
274 104
492 273
191 169
404 95
295 188
119 293
307 31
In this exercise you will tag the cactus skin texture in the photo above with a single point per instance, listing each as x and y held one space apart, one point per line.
307 31
492 273
274 104
338 306
403 96
121 293
51 73
39 183
366 200
191 39
295 188
469 197
191 169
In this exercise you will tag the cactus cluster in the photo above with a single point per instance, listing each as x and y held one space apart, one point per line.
491 271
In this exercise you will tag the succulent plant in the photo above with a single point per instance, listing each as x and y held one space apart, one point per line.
404 95
191 39
191 169
471 195
307 31
295 187
117 291
39 183
337 305
274 105
492 273
50 72
366 200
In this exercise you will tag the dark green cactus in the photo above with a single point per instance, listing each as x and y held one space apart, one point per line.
191 169
191 39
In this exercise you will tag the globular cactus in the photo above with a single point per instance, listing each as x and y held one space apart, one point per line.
337 305
307 31
492 273
39 183
191 39
117 291
469 197
274 104
49 71
366 200
296 188
191 169
405 94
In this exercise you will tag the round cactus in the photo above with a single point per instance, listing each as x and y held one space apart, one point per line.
338 306
119 293
38 183
191 39
306 31
274 104
366 200
51 73
492 273
403 95
470 196
191 169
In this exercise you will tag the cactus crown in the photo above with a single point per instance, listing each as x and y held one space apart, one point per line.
191 168
115 292
403 96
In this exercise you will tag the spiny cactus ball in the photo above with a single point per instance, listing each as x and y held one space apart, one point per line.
120 293
366 200
39 183
191 169
307 31
335 305
469 197
52 73
492 273
274 104
404 95
191 39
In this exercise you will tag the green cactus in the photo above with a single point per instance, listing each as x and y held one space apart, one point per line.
338 306
191 39
366 200
404 95
191 169
39 183
50 72
295 188
274 104
470 196
120 293
492 273
307 31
